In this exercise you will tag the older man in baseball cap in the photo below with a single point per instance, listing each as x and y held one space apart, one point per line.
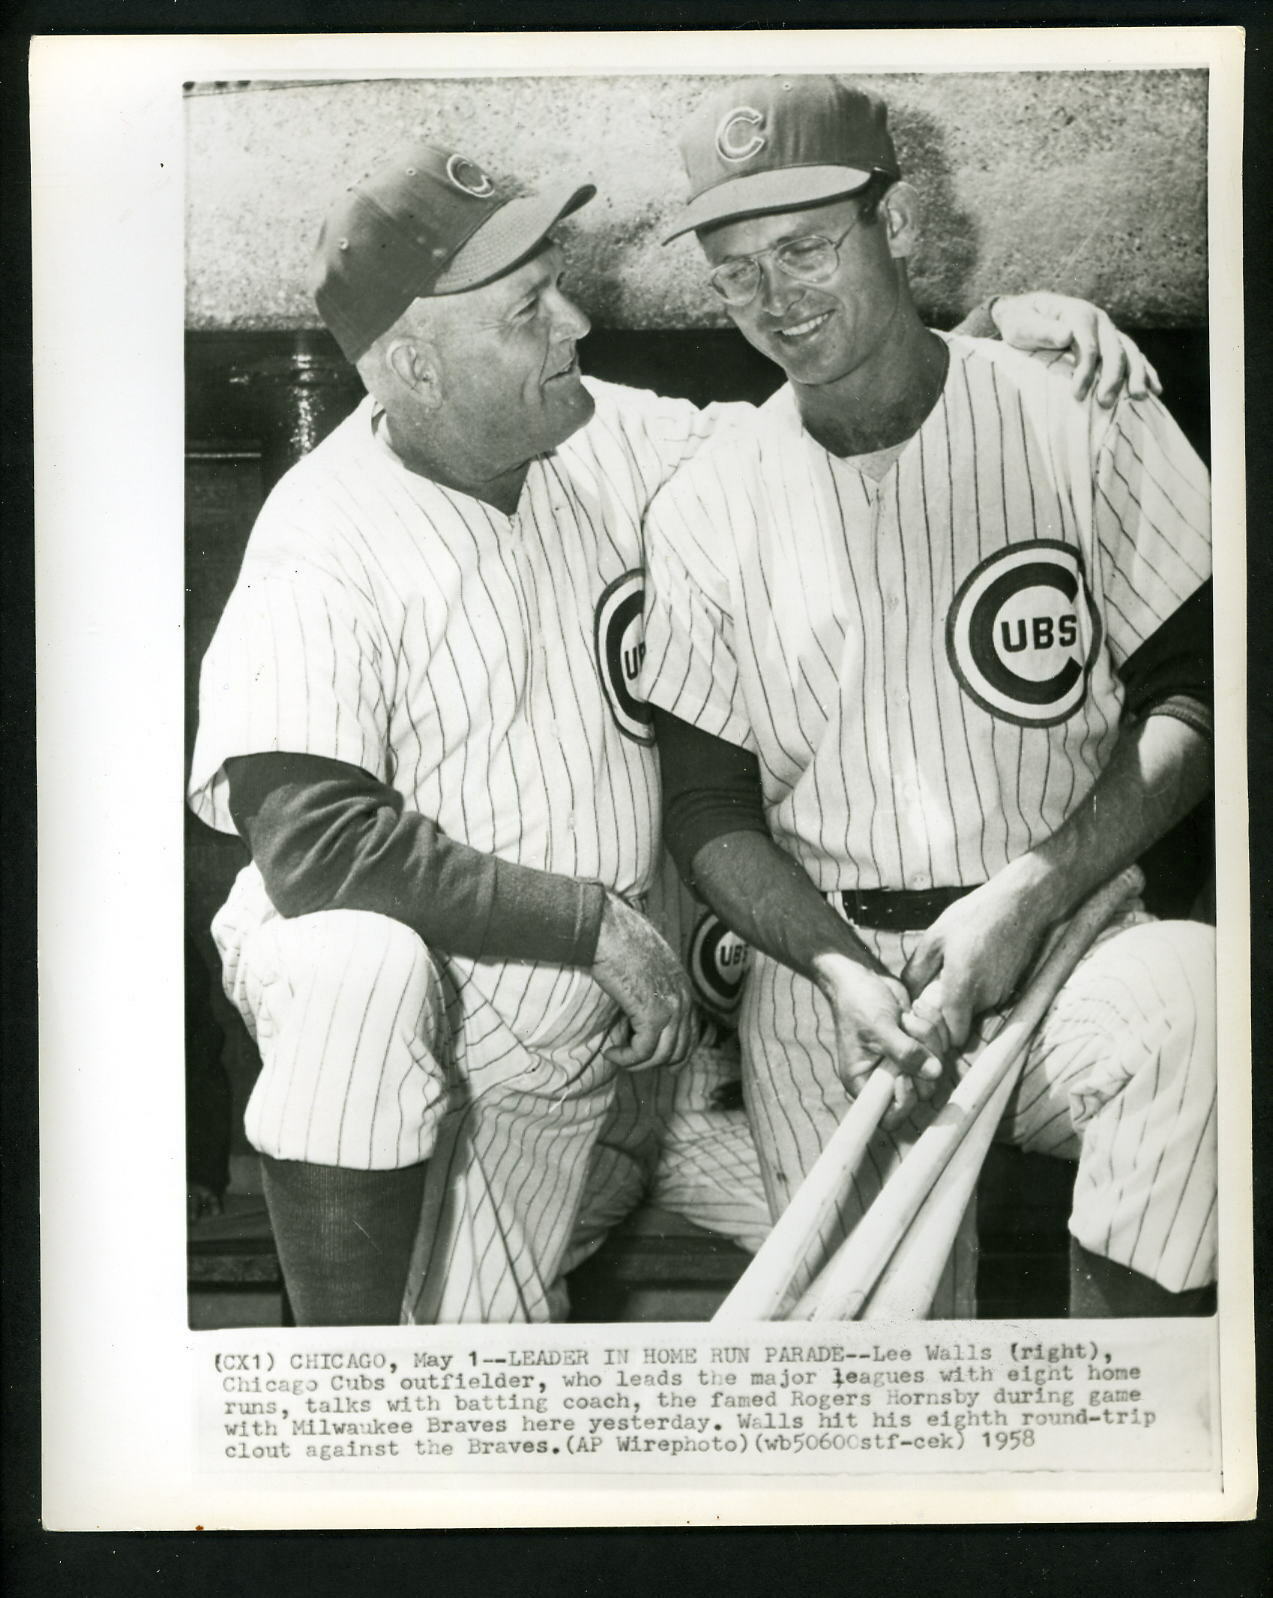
418 712
929 642
402 713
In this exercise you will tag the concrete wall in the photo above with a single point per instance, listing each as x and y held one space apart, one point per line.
1090 182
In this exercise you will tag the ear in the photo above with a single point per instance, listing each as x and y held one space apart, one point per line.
414 365
900 217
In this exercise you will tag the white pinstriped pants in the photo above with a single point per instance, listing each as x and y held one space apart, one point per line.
665 1142
377 1056
1120 1076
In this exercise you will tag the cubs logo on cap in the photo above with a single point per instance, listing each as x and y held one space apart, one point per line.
1023 633
469 177
780 144
736 136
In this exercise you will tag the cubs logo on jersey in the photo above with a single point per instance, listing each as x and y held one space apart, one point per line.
717 963
620 649
1023 633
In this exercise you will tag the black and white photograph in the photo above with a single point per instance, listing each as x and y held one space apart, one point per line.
693 663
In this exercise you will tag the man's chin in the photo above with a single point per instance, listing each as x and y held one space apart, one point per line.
572 404
811 367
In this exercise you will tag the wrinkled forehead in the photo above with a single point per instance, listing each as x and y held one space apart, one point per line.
747 235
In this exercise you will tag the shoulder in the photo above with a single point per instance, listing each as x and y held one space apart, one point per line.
637 439
642 413
988 373
628 412
338 463
635 420
741 450
327 510
1034 371
1001 385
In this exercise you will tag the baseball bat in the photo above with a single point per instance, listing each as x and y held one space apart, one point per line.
842 1288
785 1255
909 1282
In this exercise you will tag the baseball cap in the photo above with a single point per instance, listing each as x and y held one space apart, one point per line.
429 221
778 144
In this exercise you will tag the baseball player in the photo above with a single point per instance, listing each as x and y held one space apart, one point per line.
929 642
418 711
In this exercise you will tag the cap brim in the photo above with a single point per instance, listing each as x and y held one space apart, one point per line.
759 193
508 236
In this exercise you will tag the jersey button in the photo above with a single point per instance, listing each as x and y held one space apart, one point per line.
918 879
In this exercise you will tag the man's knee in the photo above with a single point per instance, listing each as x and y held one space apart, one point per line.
345 959
1150 987
339 947
1158 963
348 1013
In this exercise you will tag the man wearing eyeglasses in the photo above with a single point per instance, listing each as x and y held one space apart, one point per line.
928 646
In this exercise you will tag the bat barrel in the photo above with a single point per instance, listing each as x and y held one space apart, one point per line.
789 1256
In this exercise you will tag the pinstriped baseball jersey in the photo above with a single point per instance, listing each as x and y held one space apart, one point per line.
925 665
475 662
483 665
925 662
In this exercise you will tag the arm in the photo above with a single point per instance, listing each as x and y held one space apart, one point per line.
326 835
972 957
1046 321
714 828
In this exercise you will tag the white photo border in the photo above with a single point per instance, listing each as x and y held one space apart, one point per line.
108 201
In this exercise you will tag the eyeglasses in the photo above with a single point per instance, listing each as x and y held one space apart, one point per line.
812 258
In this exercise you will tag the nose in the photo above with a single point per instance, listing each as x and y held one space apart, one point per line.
569 321
777 291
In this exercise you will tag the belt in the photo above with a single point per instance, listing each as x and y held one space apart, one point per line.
897 909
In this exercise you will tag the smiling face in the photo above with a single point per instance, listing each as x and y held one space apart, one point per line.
507 368
822 332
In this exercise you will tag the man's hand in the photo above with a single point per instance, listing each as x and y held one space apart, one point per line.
1045 321
972 957
638 970
869 1008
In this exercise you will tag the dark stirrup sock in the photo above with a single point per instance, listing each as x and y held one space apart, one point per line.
344 1239
1100 1289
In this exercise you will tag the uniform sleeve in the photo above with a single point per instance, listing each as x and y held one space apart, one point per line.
299 662
690 667
1152 523
679 430
327 836
663 433
710 788
1173 671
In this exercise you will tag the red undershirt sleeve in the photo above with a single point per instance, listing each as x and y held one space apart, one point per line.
328 836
